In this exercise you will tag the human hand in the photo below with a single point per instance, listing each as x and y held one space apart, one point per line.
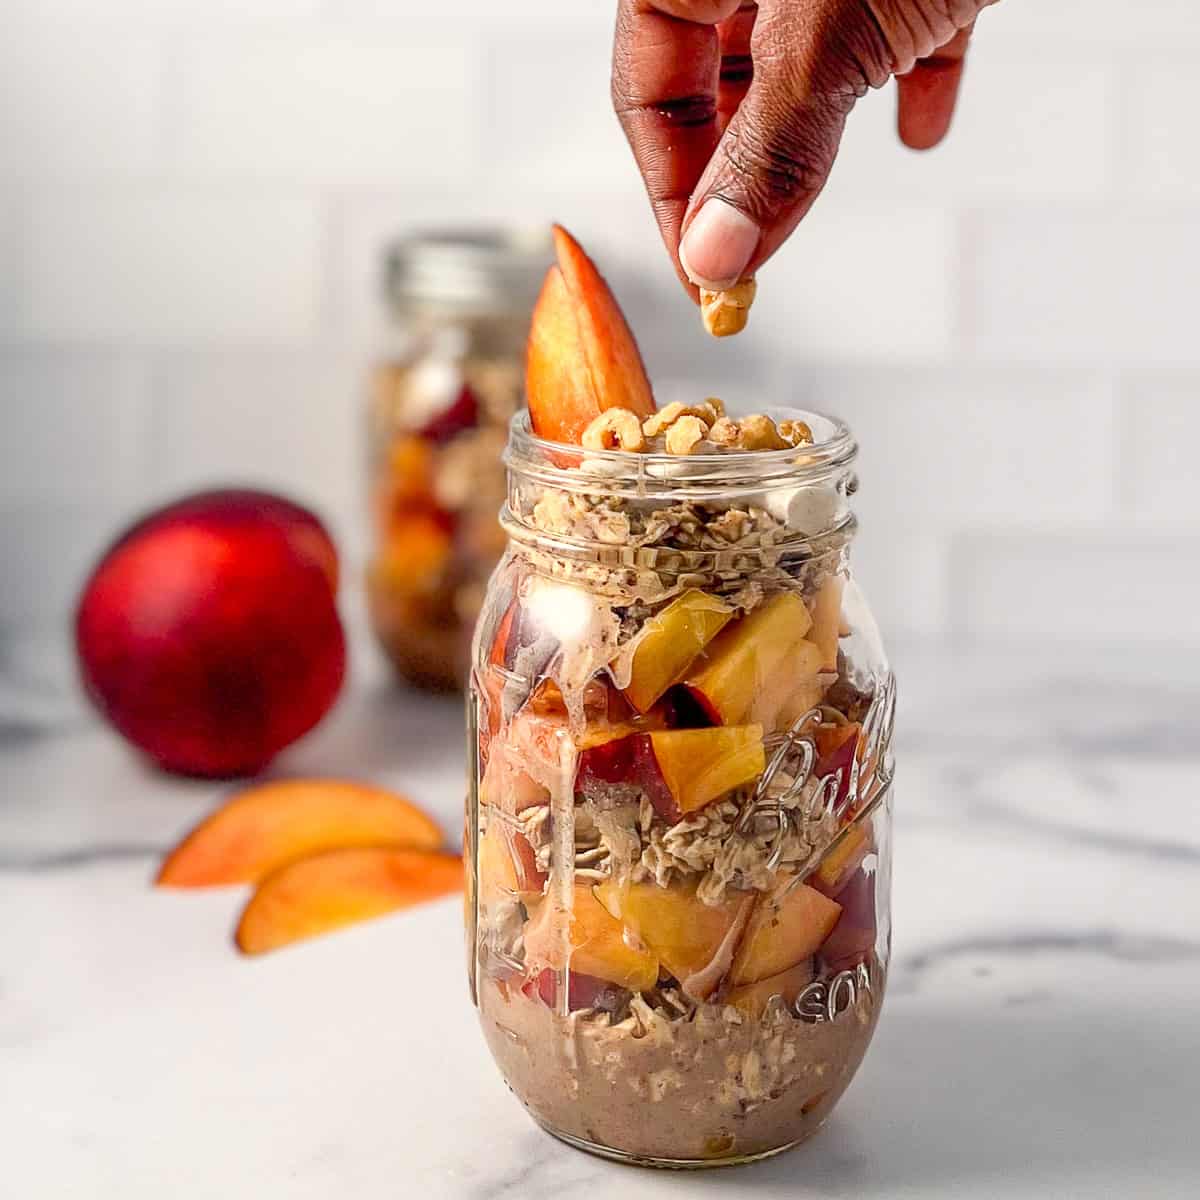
735 110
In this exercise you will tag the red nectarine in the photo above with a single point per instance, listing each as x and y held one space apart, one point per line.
208 634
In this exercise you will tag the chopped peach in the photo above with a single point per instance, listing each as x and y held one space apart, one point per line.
582 357
680 770
752 998
787 926
597 943
672 640
508 865
840 864
827 620
341 887
837 746
415 555
263 828
750 668
853 937
694 941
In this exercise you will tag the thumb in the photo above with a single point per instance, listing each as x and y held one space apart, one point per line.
778 149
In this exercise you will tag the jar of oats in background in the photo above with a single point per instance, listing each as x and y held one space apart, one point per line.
441 396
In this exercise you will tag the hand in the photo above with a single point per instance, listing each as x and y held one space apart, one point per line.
735 110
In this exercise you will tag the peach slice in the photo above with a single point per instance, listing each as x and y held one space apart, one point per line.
597 943
694 941
341 887
853 938
827 620
582 357
680 770
752 998
265 827
787 926
750 668
671 642
839 865
508 865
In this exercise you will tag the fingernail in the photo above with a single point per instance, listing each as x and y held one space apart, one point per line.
718 245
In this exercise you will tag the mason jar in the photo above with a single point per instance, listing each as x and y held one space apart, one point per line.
446 382
679 812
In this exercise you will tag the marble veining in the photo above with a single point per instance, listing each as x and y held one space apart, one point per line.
1040 1037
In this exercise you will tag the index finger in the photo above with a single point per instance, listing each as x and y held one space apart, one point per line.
666 74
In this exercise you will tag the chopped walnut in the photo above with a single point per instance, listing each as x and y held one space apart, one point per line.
724 432
612 429
796 433
665 418
758 432
685 435
726 313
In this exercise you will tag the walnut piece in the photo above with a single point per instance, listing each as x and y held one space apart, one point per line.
685 435
796 433
758 432
615 428
726 313
724 432
662 420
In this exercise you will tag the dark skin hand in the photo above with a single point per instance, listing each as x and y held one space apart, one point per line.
735 110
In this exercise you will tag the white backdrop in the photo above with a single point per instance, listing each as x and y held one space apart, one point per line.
193 194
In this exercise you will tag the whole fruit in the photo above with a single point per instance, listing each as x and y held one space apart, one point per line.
209 635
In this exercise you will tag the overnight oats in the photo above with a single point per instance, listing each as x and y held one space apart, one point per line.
678 822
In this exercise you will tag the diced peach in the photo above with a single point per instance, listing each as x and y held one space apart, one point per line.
752 998
840 864
827 620
837 747
263 828
583 991
415 555
597 943
672 640
508 865
787 926
750 668
582 357
342 887
693 941
853 937
680 770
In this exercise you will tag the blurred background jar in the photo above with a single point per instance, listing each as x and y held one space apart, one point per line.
441 395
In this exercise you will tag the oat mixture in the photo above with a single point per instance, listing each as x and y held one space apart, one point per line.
683 770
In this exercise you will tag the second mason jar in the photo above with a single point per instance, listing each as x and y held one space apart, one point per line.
447 380
679 816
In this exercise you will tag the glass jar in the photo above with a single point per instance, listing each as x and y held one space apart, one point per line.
679 815
441 398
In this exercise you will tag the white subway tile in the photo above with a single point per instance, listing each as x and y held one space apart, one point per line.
292 423
904 575
865 284
1025 125
48 551
173 264
68 105
1135 589
1160 447
328 106
1159 131
549 116
75 426
946 448
11 265
1056 285
1049 25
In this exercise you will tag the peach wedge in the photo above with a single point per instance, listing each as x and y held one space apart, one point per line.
582 357
267 826
787 926
341 887
671 642
598 945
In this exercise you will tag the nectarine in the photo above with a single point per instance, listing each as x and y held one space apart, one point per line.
209 635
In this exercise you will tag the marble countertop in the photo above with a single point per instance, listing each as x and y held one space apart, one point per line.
1041 1035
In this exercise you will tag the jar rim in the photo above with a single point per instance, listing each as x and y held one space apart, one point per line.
568 466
